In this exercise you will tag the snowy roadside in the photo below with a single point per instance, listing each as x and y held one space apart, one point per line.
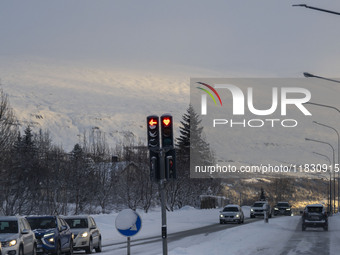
183 219
334 229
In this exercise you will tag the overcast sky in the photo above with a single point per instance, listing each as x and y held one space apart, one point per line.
264 36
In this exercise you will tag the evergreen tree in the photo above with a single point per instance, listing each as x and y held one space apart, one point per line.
192 138
191 143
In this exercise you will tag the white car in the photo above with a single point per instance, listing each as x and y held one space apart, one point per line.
86 234
259 208
16 236
231 213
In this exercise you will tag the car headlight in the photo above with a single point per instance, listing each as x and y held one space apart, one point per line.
12 243
9 243
276 208
288 209
251 209
237 215
85 234
49 237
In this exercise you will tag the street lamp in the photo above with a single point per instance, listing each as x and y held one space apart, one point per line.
309 75
338 158
323 105
317 141
330 181
315 8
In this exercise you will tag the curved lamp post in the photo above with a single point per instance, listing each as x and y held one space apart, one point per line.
330 181
336 131
317 141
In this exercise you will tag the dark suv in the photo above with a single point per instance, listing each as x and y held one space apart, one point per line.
282 208
314 216
52 233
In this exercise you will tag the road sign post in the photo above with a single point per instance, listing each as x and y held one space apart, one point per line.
128 245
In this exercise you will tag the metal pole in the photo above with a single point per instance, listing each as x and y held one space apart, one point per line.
128 246
163 202
330 174
323 105
330 193
336 131
317 9
334 194
330 182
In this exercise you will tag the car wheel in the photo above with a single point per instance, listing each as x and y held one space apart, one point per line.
21 250
34 251
221 222
70 251
58 251
89 249
99 247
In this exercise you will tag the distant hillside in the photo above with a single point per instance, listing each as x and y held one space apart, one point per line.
69 100
298 191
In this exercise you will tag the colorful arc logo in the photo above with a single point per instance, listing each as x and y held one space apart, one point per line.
209 93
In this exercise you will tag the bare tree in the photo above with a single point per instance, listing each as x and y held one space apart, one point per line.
8 123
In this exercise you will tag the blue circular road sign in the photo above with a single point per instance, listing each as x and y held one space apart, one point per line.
128 222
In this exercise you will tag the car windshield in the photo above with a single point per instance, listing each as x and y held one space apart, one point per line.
258 205
7 226
77 223
42 223
283 204
230 209
315 209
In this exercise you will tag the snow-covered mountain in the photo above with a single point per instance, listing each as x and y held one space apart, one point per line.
70 99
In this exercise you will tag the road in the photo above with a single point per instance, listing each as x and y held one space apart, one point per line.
286 239
206 230
312 241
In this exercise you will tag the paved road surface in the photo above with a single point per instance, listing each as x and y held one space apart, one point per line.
312 241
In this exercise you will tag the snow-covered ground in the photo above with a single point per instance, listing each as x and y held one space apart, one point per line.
252 238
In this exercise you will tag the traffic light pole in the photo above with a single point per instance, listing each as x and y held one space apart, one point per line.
162 182
162 161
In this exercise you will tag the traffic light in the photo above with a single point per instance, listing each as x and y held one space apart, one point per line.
170 164
153 131
167 131
154 166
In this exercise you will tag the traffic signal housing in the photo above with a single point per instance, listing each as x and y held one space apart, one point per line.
153 131
155 173
167 131
170 164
